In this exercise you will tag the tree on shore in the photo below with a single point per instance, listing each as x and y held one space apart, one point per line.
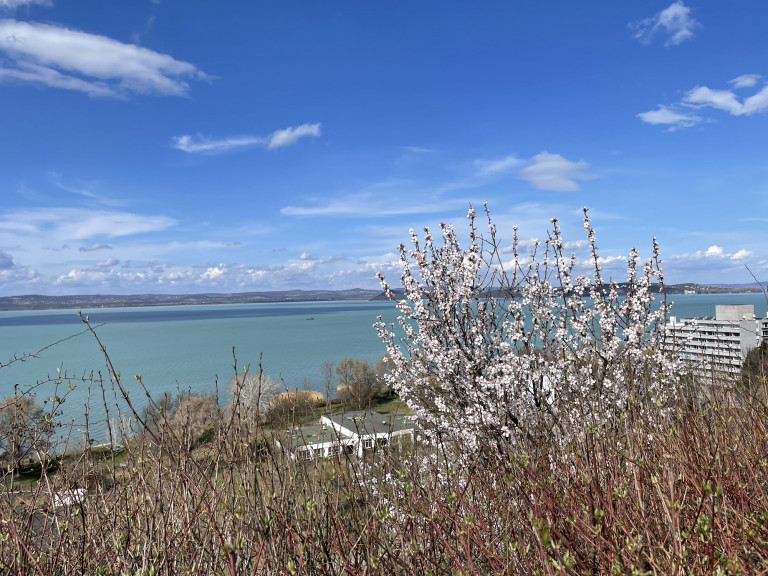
383 369
253 392
328 371
358 383
22 427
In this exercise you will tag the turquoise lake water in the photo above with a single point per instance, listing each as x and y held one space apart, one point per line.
191 346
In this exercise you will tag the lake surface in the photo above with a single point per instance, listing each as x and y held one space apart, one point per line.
190 347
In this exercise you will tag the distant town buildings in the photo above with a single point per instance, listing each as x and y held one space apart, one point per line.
717 345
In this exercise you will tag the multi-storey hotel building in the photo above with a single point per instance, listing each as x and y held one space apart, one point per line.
717 345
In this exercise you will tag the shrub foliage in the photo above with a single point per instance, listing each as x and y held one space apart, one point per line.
631 480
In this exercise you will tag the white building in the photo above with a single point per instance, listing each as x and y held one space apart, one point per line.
349 432
717 345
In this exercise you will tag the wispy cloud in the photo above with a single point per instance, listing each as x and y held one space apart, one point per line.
674 22
199 144
744 81
109 263
554 172
278 139
13 4
84 190
71 224
702 97
401 196
668 117
726 100
289 136
494 167
371 204
94 247
96 65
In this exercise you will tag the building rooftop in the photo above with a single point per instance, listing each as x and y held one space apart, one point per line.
734 312
308 434
364 422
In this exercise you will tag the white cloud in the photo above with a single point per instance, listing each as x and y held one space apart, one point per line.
22 279
72 225
370 204
12 4
741 255
728 101
555 173
492 167
701 97
213 272
721 99
669 117
719 253
575 245
289 136
745 81
96 65
675 22
199 144
714 264
604 261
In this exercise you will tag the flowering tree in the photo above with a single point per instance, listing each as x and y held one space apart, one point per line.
253 392
495 347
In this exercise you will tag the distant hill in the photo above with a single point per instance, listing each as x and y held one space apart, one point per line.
688 288
39 302
88 301
715 288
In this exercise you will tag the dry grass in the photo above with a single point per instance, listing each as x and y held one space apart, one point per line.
685 494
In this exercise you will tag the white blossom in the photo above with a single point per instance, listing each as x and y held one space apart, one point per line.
487 350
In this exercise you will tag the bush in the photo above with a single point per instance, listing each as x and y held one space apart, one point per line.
651 485
22 427
293 407
196 419
496 348
755 368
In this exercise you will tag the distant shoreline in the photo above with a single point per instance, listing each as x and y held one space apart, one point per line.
89 301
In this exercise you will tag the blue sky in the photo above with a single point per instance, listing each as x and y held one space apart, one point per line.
186 146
